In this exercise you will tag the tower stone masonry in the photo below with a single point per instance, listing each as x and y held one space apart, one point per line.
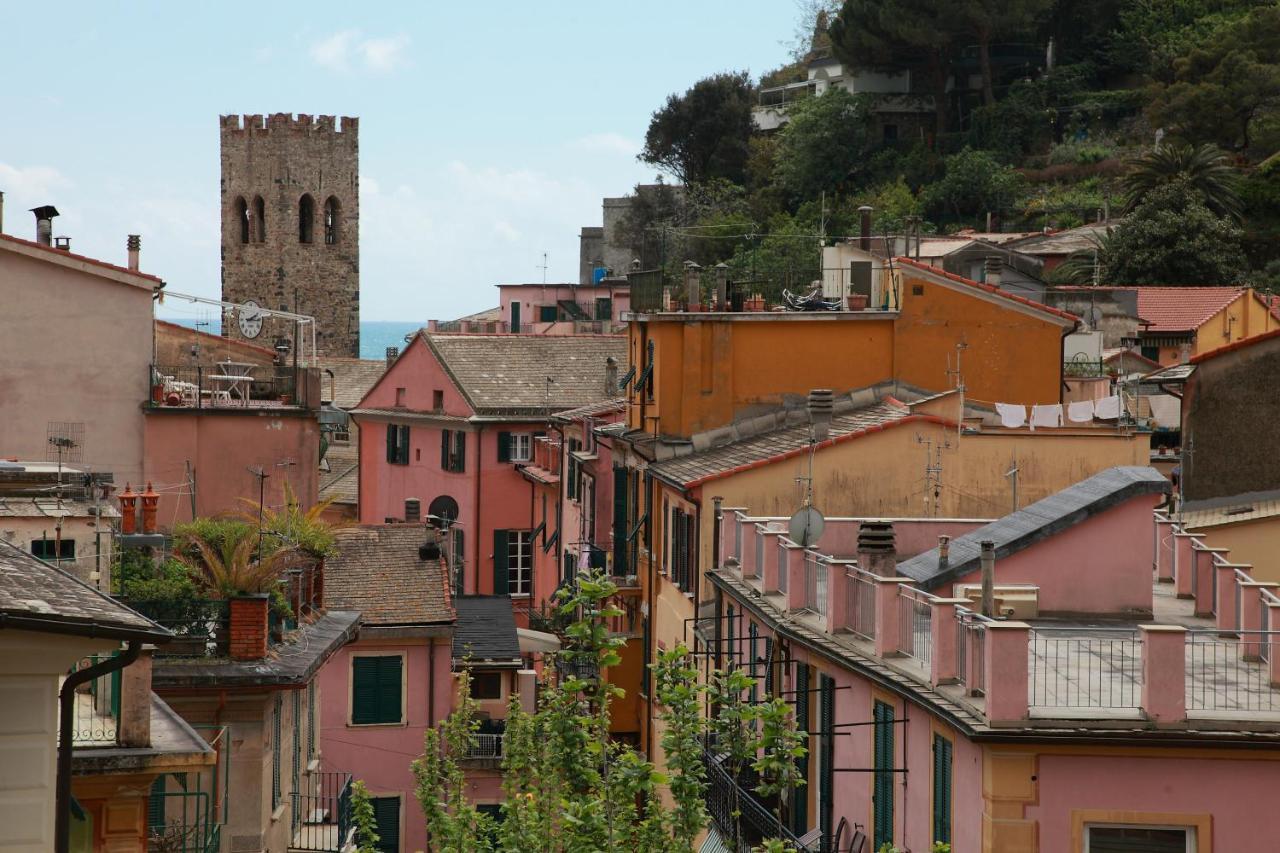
291 226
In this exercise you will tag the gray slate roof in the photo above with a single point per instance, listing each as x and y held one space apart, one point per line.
376 570
507 374
719 461
41 597
352 379
1037 522
485 632
341 483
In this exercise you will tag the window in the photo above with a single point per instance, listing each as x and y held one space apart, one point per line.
53 549
340 437
242 217
486 685
1116 838
882 784
259 220
1152 353
276 727
800 795
571 486
311 720
332 213
306 218
917 290
398 444
547 314
412 510
376 696
520 563
890 133
587 497
521 447
942 749
453 453
400 395
437 400
683 546
386 817
604 308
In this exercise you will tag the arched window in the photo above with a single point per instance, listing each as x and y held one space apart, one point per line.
306 218
443 507
331 213
259 220
242 216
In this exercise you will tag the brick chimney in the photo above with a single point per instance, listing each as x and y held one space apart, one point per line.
877 551
249 626
988 578
392 354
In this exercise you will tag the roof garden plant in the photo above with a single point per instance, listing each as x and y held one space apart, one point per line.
305 530
228 557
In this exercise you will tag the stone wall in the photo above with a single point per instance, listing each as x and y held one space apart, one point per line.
268 167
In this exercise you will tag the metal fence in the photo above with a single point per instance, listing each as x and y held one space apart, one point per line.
1220 678
186 812
971 641
96 715
201 627
815 583
915 625
202 386
322 812
1073 669
485 745
860 603
738 813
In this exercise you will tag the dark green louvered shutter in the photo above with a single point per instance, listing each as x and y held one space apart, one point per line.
882 788
826 755
392 435
504 447
620 520
376 689
941 789
768 668
460 454
730 647
800 795
389 684
446 440
386 816
155 805
501 561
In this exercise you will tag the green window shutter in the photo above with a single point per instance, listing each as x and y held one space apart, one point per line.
364 690
501 567
882 786
389 684
276 795
386 816
619 520
826 755
767 667
155 804
404 445
941 789
460 452
547 313
730 647
504 447
392 435
800 795
446 437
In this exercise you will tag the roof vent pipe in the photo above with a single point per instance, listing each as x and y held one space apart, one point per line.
944 552
692 286
992 266
820 404
864 230
44 223
392 353
134 244
1 211
988 578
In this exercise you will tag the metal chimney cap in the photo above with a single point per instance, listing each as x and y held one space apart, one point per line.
45 211
865 208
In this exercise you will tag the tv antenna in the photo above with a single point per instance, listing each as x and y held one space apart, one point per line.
65 440
932 472
957 377
543 266
807 524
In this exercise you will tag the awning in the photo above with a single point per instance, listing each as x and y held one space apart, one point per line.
537 641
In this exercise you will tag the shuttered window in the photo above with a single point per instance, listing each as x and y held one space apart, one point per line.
386 817
311 721
398 444
800 795
826 752
297 741
276 727
882 785
730 647
376 689
572 446
941 789
453 451
620 564
753 671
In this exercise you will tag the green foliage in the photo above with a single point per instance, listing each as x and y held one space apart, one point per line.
1203 170
703 134
787 255
1151 35
290 525
1081 153
362 818
1172 237
823 145
140 578
974 182
1064 205
781 745
222 556
678 692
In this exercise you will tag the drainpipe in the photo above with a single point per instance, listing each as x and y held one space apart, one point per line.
479 483
717 520
431 682
66 709
988 578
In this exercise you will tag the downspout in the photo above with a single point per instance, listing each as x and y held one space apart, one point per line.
479 483
66 709
431 682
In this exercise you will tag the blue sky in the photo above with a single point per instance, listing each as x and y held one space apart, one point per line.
488 132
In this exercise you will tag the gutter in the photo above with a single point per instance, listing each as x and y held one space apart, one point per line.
66 710
96 630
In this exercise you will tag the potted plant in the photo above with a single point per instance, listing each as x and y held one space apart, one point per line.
857 301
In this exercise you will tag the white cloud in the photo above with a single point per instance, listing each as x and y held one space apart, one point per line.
506 231
31 182
346 48
608 143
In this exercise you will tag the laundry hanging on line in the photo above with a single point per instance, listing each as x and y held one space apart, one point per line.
1011 415
1080 412
1046 416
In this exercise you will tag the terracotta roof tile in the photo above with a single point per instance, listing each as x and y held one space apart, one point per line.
376 570
1182 309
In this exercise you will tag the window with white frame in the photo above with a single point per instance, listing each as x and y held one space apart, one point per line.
521 446
1134 838
520 562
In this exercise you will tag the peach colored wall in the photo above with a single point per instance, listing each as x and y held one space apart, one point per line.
1110 566
76 347
1234 790
380 755
221 446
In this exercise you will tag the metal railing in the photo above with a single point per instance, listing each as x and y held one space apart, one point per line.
860 603
201 627
738 813
214 386
915 625
971 641
815 584
485 745
784 567
187 815
95 718
764 288
1219 678
1085 668
322 812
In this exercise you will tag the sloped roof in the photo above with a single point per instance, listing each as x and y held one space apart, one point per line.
1062 242
376 571
63 258
1182 309
593 410
757 450
342 481
1244 343
486 632
1252 506
507 374
1037 522
1058 314
47 507
41 597
352 379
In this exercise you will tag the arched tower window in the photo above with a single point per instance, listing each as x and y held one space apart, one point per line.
331 213
259 220
242 216
306 218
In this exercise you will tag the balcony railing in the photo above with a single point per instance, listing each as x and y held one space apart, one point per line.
1085 668
95 718
322 813
201 627
915 626
228 385
726 797
187 815
763 289
485 746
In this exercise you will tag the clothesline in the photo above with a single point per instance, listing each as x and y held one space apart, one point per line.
1014 415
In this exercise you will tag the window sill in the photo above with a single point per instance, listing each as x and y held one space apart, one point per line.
519 595
396 725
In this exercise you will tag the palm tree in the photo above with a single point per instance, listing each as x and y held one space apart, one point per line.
231 567
1086 266
1204 168
304 530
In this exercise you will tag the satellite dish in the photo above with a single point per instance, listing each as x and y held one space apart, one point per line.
806 526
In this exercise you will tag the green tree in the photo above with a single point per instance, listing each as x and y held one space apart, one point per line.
1203 169
362 819
1150 36
988 20
823 144
1222 84
704 133
974 182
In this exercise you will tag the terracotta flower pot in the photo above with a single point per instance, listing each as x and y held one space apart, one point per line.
857 301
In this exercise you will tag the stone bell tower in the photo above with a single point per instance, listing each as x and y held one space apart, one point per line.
291 227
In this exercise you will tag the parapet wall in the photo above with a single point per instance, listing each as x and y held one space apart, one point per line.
280 122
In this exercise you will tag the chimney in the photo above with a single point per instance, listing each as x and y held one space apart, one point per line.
611 377
988 577
877 552
135 245
722 286
944 552
44 223
62 244
992 265
864 230
392 354
1 211
692 285
820 404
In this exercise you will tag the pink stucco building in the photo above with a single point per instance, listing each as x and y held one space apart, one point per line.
550 309
1110 720
445 431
